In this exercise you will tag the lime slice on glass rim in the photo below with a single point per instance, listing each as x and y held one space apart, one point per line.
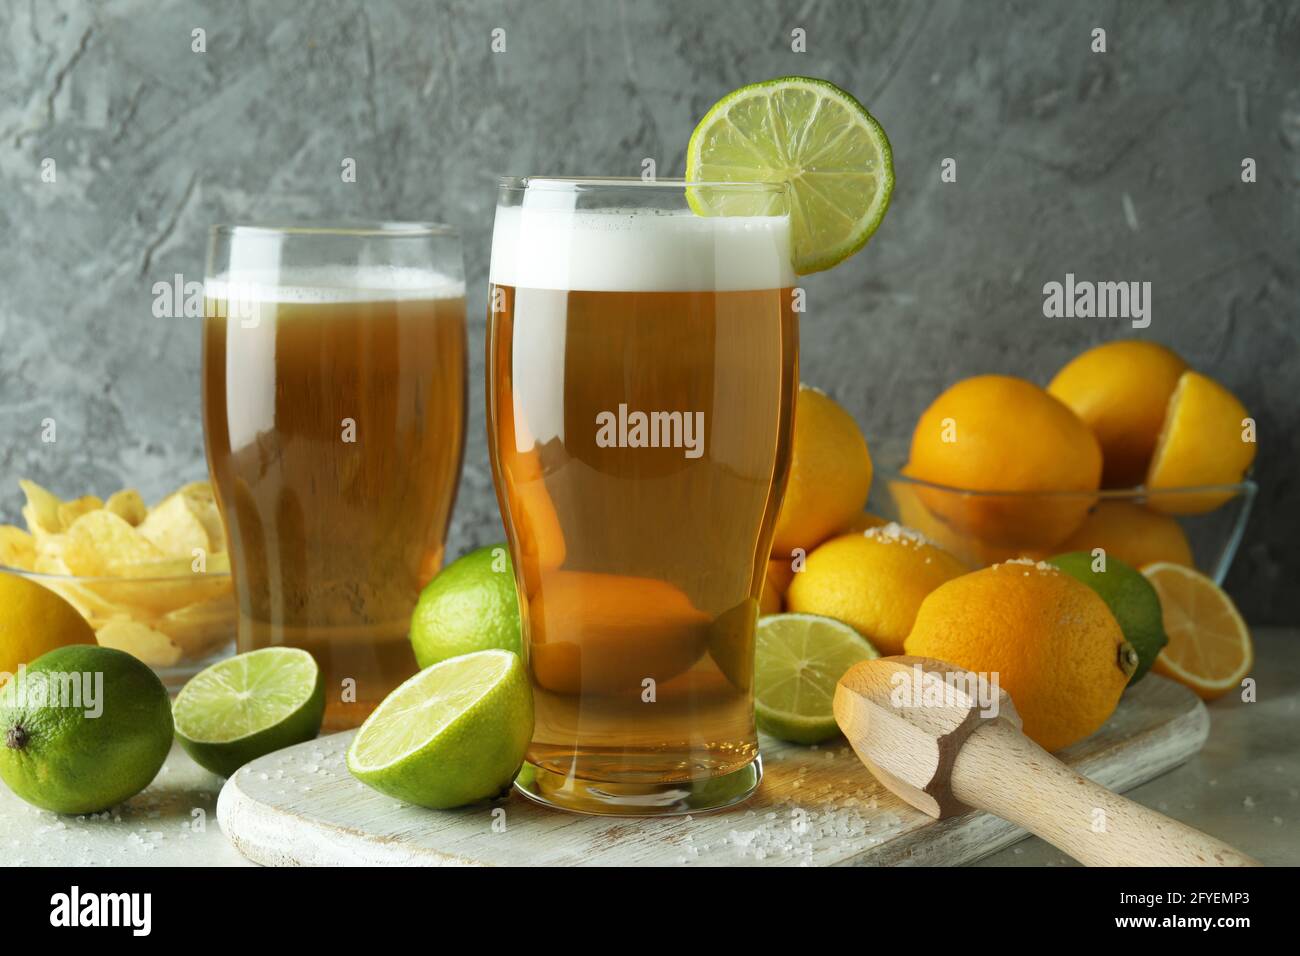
798 660
811 134
248 706
454 733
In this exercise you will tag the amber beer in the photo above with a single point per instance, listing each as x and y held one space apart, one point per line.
334 412
642 366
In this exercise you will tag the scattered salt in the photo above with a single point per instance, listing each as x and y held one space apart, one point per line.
895 533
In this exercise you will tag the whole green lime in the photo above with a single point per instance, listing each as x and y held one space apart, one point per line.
1130 597
470 606
85 728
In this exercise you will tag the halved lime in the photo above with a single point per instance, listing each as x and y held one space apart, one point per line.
811 134
798 659
248 706
454 733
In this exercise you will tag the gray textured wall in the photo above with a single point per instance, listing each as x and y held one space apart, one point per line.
154 142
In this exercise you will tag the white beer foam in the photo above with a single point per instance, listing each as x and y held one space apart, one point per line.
332 284
638 250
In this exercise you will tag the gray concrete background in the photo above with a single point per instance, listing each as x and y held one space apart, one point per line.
1123 165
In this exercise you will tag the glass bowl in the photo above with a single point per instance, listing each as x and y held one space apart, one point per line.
177 624
1200 527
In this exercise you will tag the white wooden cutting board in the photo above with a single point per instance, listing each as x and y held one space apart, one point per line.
816 806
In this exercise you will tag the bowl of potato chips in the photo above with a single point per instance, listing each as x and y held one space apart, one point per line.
154 582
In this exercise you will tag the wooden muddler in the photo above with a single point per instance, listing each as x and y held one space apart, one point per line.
938 737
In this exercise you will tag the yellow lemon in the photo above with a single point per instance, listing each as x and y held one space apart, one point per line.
1052 641
1120 390
997 433
970 550
863 521
605 633
1209 646
873 581
1203 442
830 474
780 572
34 620
1131 533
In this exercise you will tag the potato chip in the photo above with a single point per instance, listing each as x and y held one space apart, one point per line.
17 548
174 529
42 509
49 547
178 567
198 495
197 489
51 564
210 516
127 505
70 511
100 541
139 640
201 629
219 563
155 596
94 607
159 568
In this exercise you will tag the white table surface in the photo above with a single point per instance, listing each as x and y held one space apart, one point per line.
1244 787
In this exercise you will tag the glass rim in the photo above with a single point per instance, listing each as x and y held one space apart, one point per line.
53 577
570 183
342 229
1247 487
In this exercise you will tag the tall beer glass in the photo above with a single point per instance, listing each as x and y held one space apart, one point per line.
642 364
334 415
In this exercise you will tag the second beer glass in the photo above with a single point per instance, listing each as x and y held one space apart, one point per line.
334 414
642 368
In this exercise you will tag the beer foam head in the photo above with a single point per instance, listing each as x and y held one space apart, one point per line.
325 284
638 250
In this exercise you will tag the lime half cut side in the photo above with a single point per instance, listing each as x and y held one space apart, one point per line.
454 733
248 706
798 660
808 133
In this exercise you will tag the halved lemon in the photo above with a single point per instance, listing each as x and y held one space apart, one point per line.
1203 442
1209 647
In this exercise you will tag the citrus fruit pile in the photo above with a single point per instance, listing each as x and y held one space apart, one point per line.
851 581
963 577
825 494
1007 469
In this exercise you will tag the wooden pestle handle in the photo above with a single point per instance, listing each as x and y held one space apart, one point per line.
1000 770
